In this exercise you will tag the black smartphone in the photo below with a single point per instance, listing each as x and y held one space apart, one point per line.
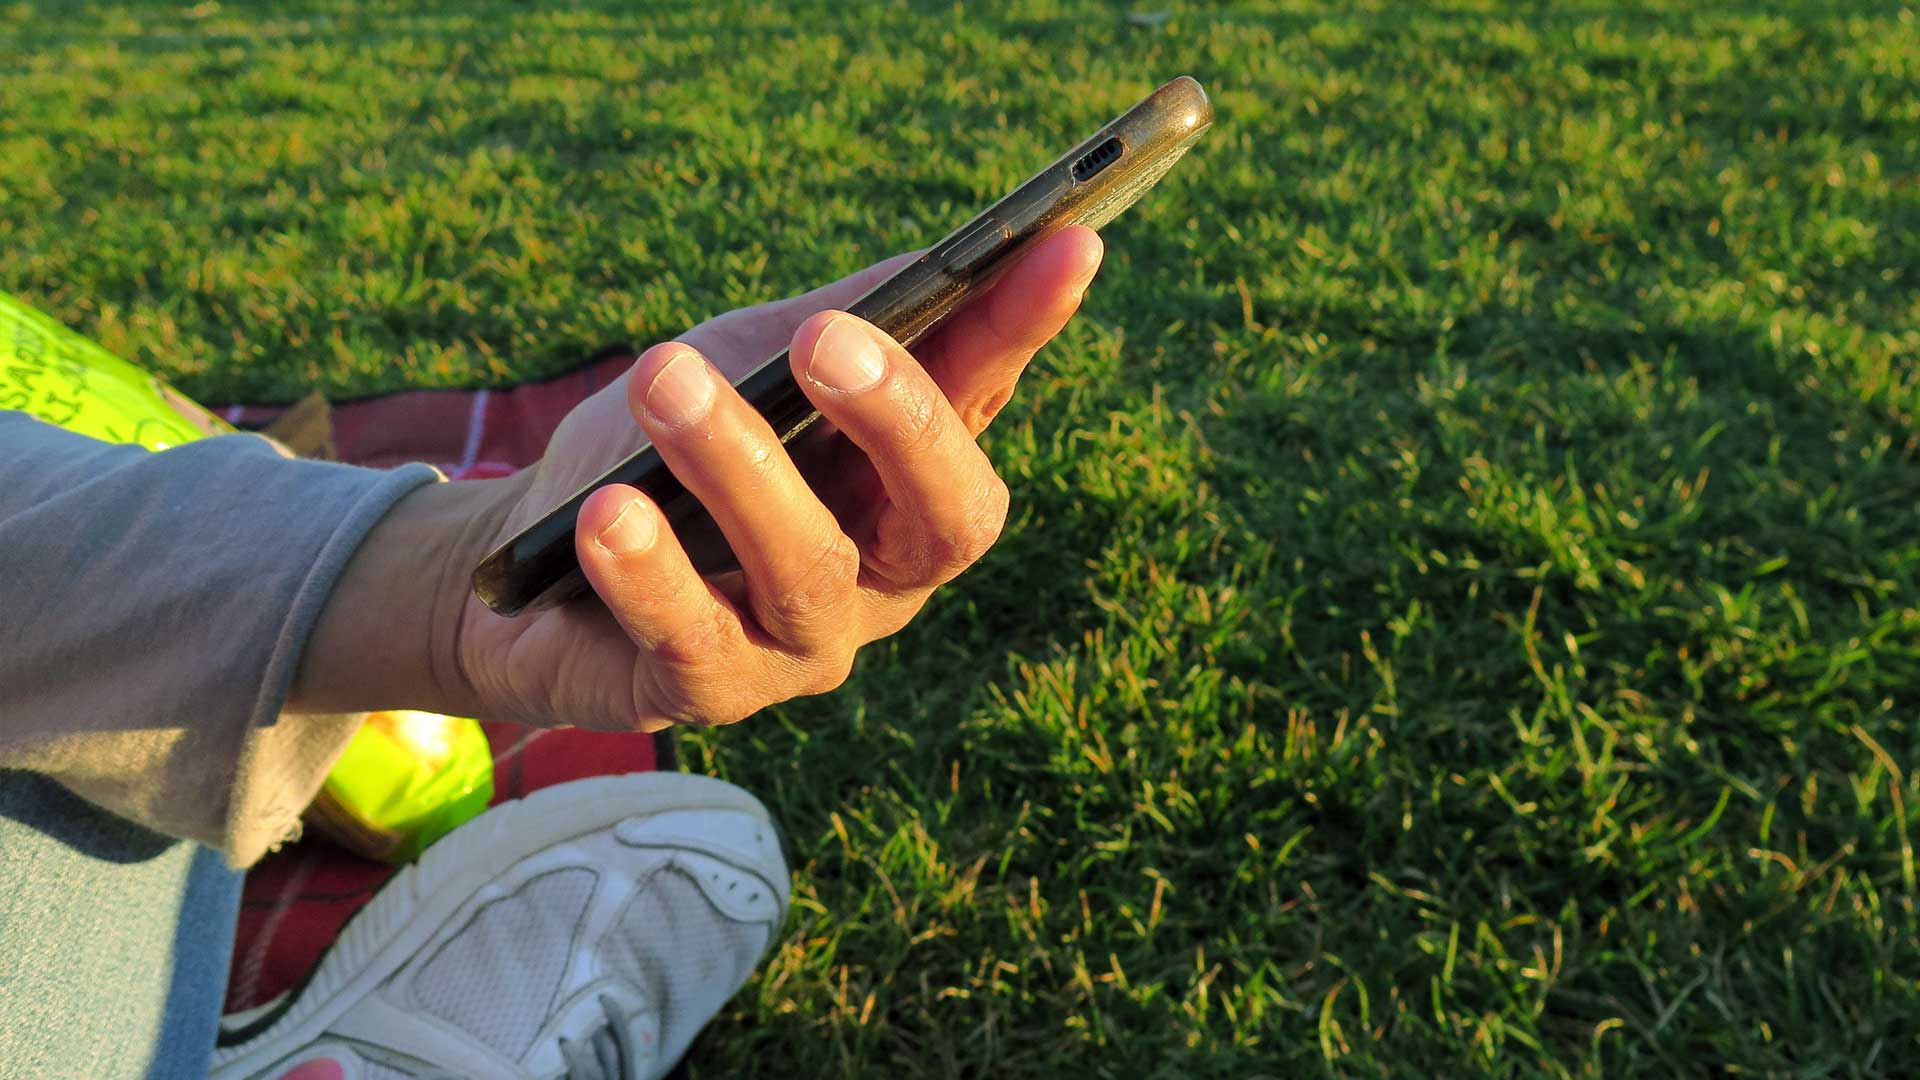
1088 185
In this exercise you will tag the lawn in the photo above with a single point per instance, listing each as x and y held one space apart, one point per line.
1459 616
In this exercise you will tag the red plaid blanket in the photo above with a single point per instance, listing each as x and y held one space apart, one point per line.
295 902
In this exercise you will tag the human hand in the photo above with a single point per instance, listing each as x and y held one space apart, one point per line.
830 559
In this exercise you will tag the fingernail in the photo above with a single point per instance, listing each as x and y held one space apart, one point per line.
631 530
682 392
1089 272
846 358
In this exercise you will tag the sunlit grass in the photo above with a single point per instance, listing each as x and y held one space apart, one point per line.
1460 614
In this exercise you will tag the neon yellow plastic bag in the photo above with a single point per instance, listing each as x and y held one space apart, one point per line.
406 779
55 374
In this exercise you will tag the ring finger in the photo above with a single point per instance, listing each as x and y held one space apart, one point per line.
944 506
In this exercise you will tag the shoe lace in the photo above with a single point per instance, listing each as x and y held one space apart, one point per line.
608 1053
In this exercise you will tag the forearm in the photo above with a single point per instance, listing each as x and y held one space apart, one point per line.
153 611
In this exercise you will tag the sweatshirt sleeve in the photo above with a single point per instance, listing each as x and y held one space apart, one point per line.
153 609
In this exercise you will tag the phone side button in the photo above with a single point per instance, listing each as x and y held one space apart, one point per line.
971 249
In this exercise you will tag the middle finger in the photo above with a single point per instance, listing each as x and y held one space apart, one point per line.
801 569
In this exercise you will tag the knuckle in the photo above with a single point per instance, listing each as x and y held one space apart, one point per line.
973 533
904 557
671 696
697 645
995 500
797 675
830 672
817 594
918 429
694 700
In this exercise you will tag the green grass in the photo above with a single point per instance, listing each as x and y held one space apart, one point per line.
1460 617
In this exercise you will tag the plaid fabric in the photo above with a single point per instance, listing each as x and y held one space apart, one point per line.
296 901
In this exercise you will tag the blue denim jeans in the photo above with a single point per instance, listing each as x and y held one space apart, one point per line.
114 941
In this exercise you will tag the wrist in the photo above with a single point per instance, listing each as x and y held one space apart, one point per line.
388 637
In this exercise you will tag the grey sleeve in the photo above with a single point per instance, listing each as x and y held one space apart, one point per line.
153 608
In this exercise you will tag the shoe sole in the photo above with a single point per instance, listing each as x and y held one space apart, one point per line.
384 935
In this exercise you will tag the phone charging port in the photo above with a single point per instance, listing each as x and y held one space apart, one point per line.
1097 159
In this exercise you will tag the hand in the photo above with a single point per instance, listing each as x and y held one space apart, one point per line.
830 559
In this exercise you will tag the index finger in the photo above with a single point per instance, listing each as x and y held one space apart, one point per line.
976 356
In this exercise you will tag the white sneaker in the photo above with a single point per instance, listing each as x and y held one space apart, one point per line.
587 930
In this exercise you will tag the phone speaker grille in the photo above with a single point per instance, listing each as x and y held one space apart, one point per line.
1096 159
